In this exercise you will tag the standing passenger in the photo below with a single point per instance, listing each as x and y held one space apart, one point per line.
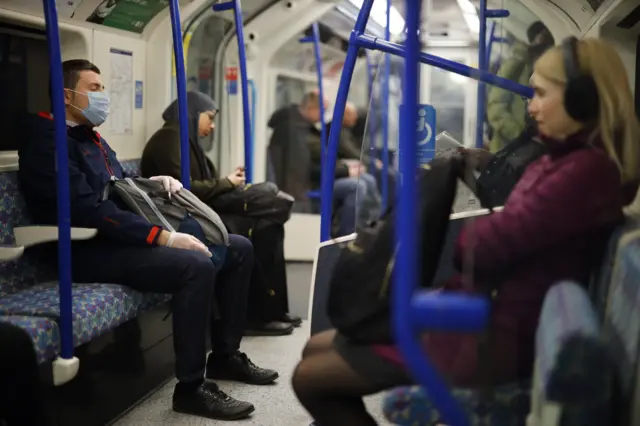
268 300
128 250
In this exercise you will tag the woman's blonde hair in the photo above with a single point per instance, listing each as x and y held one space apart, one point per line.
617 123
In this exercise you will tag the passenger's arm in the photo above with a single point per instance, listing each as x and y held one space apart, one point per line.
168 163
577 198
88 210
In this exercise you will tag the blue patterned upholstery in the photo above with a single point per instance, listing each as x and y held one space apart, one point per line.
410 406
599 288
43 331
622 318
131 167
34 306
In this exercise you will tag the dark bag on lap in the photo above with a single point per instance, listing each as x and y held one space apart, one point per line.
507 166
261 200
359 296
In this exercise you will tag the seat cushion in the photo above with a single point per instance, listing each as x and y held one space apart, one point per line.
43 331
411 406
97 308
131 167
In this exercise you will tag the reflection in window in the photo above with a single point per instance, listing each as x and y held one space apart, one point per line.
24 81
448 97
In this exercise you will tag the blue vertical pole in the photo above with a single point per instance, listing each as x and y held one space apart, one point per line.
62 175
254 97
482 65
372 145
242 57
181 79
329 170
315 40
385 114
406 277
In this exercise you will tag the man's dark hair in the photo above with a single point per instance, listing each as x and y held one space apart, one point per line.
71 70
536 28
310 99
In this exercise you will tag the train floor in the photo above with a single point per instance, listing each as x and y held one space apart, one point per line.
276 405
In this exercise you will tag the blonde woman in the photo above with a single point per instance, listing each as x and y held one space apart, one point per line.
553 227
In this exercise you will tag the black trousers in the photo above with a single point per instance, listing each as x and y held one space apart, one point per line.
268 295
21 391
193 281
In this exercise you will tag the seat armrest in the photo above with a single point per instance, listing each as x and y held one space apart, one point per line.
10 252
32 235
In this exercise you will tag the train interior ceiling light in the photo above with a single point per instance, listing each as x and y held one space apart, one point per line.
379 15
470 14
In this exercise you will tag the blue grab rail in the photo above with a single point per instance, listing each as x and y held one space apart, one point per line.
483 64
181 79
385 113
254 97
372 144
315 40
62 174
242 57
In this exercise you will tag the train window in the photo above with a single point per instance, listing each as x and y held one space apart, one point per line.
289 91
24 79
448 92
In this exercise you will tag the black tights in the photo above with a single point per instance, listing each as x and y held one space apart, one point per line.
22 402
328 387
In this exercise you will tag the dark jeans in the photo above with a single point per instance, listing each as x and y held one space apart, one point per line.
22 401
193 281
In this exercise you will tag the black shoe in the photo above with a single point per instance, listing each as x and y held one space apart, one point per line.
238 367
207 400
274 328
290 319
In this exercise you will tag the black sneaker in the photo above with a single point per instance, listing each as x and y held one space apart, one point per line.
238 367
207 400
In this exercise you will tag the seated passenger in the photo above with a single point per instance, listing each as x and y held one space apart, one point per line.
554 227
130 251
268 301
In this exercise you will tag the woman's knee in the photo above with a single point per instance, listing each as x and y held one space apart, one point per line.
319 343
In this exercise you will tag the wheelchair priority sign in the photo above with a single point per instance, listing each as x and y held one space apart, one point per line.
425 134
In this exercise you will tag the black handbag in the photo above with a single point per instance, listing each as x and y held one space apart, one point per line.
260 201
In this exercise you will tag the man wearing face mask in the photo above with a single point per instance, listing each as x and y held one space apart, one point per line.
507 112
130 251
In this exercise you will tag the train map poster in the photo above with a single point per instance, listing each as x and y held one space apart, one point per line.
121 91
127 15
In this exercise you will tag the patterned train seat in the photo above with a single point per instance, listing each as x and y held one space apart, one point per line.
573 374
622 326
572 370
28 288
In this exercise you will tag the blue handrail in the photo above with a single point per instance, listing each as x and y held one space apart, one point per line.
62 174
385 113
181 79
483 64
372 144
315 40
254 97
329 169
242 56
374 43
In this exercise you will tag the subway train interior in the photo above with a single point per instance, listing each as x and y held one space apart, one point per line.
257 58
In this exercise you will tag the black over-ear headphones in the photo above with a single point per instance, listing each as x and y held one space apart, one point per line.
581 99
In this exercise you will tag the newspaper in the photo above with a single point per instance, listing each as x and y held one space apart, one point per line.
448 146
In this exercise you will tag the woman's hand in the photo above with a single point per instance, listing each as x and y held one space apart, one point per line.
476 158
